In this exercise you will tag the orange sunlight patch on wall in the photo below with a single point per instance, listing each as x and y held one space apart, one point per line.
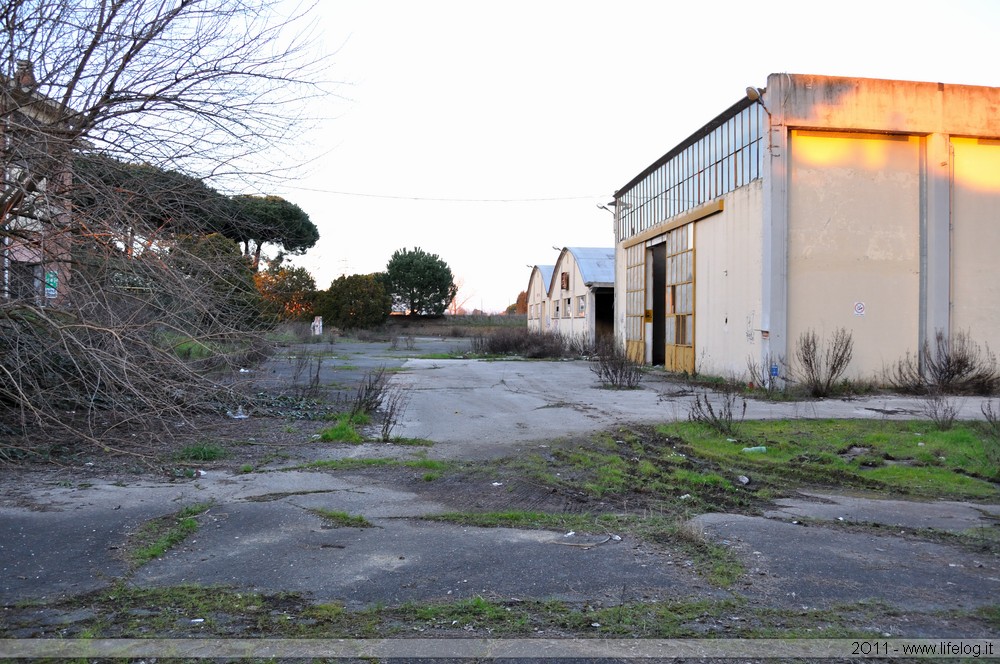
977 163
844 149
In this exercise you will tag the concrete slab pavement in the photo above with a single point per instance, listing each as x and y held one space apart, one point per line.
947 515
261 533
479 408
797 566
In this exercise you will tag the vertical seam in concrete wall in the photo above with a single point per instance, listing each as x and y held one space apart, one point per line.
935 278
774 263
922 228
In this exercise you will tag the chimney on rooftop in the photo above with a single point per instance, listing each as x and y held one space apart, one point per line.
25 76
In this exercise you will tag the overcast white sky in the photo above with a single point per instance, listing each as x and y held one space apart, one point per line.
459 116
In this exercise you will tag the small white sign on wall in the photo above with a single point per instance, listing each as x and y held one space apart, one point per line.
859 308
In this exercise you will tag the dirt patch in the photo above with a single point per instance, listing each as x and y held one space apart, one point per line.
497 492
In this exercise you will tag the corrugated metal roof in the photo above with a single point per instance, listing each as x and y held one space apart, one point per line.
546 272
597 264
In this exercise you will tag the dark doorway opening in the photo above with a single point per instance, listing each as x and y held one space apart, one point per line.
604 315
658 253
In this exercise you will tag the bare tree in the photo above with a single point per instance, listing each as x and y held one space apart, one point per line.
462 296
119 306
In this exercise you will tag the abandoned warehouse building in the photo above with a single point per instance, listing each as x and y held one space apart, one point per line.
814 204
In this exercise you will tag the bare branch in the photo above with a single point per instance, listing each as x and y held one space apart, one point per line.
122 306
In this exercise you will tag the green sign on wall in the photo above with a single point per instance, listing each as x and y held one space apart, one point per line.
51 284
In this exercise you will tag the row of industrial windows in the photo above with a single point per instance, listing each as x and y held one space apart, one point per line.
679 310
721 161
560 308
635 292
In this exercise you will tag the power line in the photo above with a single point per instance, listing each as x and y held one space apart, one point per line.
542 199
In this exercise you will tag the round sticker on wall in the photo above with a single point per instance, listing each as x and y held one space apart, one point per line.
859 308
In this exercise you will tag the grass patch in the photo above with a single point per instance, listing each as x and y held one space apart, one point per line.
640 470
341 519
125 611
186 347
910 458
348 464
200 452
158 536
377 462
717 564
345 430
583 523
991 614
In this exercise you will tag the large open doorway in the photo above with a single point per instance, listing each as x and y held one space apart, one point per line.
656 289
604 315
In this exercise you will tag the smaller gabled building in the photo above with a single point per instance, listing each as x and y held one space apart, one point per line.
575 297
538 298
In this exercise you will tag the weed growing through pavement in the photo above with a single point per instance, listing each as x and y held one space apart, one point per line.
158 536
614 368
370 392
394 405
341 519
725 417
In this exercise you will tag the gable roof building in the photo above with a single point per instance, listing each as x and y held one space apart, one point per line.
574 297
538 297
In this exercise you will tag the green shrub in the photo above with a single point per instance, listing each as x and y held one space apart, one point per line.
358 301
